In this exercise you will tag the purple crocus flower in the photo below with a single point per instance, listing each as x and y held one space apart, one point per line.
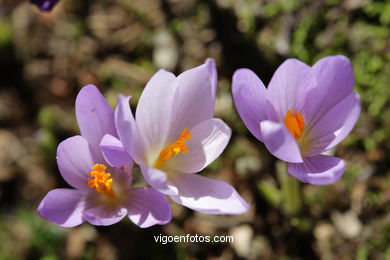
102 193
304 112
45 5
174 136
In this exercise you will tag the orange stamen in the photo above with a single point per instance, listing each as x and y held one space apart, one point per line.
294 123
101 180
174 148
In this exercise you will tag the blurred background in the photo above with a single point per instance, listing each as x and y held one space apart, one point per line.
45 58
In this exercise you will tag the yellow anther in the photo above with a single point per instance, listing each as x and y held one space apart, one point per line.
101 180
294 123
174 148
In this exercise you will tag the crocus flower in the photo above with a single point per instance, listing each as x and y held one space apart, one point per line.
102 193
45 5
174 136
304 112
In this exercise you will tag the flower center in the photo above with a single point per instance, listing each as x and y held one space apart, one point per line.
173 149
101 180
295 123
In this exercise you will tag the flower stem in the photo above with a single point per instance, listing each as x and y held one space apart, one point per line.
291 192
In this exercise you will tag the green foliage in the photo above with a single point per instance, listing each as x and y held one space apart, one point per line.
45 237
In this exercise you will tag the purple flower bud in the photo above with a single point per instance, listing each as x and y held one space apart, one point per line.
45 5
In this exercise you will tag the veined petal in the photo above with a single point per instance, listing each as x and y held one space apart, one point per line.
335 81
154 111
288 87
113 151
280 142
158 180
131 140
63 207
194 99
250 96
74 160
207 195
318 170
147 207
208 140
100 214
349 123
334 126
94 116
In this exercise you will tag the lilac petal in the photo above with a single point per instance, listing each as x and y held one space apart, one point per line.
334 126
158 180
122 177
318 170
335 80
127 130
63 207
74 161
280 142
113 151
154 110
208 140
212 70
45 5
207 195
194 100
250 95
94 116
100 214
147 207
349 123
288 87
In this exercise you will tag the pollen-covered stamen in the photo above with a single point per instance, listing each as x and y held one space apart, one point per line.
174 148
295 123
101 180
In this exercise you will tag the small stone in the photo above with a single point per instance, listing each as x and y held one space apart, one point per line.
324 233
165 53
261 248
242 236
347 224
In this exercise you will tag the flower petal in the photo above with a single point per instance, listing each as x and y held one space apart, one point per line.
318 170
147 207
280 142
207 195
154 111
208 140
158 180
348 125
74 161
127 129
94 116
334 75
113 151
334 126
100 214
122 177
289 86
194 100
63 207
250 96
